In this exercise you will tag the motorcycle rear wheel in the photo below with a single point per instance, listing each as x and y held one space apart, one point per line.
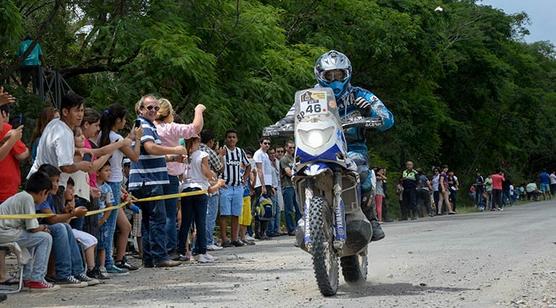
354 268
325 258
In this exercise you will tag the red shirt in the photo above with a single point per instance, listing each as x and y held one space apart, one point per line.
497 180
10 176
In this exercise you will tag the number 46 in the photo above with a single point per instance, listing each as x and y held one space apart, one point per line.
313 108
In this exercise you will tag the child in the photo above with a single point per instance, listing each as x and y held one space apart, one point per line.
86 240
106 200
27 232
246 217
194 208
68 263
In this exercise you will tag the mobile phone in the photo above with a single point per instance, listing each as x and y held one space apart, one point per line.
137 123
18 120
87 157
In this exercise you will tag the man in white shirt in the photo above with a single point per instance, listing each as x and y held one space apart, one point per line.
57 145
263 183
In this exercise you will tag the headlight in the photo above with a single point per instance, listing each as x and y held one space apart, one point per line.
316 137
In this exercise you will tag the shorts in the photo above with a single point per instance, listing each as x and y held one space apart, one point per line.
246 218
231 201
84 238
545 187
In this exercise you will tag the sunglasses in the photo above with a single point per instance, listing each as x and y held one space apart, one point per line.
151 107
266 143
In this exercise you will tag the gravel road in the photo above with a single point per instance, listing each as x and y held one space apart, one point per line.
495 259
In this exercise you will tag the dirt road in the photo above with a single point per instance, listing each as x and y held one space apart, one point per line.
497 259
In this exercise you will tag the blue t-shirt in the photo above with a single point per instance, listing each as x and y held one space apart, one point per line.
544 178
48 204
106 195
149 169
33 58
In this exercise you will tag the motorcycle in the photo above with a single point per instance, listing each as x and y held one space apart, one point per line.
326 182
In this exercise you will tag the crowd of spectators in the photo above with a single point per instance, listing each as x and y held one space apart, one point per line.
81 162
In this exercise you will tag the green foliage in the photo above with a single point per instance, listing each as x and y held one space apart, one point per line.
464 88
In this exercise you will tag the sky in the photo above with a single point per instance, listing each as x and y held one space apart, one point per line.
542 14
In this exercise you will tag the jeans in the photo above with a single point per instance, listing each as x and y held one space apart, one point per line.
39 245
212 212
291 209
67 253
479 197
194 210
274 223
153 225
496 198
453 198
110 224
171 213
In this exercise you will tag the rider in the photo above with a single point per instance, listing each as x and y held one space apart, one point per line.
333 70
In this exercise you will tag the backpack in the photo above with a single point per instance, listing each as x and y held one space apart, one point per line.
263 210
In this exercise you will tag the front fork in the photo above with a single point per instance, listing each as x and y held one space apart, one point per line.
339 213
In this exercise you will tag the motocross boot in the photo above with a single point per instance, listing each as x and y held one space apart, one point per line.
378 234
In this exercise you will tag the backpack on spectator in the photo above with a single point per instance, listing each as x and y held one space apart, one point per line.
263 210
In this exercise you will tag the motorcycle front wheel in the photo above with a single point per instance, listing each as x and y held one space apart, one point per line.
325 259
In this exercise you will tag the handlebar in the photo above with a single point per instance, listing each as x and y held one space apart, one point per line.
359 121
287 130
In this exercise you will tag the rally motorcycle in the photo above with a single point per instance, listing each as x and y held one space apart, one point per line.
326 182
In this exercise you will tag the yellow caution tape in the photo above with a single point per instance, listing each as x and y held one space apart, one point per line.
111 208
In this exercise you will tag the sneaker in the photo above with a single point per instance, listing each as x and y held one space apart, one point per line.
238 243
183 258
211 257
117 271
71 282
97 274
125 265
249 243
213 247
34 286
84 278
206 258
249 238
227 243
168 263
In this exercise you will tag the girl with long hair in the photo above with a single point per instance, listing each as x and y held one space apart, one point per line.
112 120
194 208
170 133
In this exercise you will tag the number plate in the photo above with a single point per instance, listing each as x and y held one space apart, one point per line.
313 102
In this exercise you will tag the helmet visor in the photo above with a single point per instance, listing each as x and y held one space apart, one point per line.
333 75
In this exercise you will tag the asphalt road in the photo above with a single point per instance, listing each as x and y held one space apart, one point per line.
494 259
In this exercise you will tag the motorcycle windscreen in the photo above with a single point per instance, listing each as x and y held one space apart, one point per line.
318 130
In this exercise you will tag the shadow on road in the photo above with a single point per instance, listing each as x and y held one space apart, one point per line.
367 289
